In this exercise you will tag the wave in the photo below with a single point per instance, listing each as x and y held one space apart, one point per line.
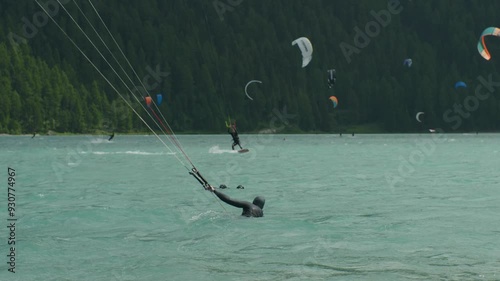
216 150
129 152
146 153
100 140
210 214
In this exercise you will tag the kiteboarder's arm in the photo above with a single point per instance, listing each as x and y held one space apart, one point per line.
230 201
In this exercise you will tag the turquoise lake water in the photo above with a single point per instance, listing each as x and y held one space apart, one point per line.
368 207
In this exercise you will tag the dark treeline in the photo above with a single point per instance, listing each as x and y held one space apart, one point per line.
200 55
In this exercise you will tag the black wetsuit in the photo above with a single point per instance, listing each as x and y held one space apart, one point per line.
236 139
249 209
111 137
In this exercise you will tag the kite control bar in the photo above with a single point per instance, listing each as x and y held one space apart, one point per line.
196 174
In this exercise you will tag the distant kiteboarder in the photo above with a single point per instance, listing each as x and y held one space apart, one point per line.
231 129
332 77
111 137
34 134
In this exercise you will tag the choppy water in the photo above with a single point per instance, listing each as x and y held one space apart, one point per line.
368 207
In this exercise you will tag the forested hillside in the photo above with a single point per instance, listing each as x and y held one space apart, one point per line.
200 54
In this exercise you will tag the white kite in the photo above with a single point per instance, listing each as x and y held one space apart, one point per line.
306 48
418 116
250 82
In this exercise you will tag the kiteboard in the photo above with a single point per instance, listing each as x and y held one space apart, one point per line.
243 150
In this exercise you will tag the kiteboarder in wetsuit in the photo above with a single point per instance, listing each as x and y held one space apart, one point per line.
232 131
253 209
111 137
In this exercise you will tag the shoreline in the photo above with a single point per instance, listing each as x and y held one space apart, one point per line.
294 133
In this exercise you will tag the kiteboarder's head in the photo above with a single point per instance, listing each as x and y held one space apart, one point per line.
259 201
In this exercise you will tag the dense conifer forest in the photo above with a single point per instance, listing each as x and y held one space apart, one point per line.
200 54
